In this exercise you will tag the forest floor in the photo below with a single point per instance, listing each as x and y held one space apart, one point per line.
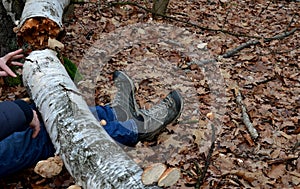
188 50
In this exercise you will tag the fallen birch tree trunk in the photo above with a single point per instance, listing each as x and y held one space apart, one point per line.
88 152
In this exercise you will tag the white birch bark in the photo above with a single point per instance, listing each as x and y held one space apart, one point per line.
52 9
88 152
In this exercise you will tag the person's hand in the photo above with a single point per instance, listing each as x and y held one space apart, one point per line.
35 124
9 60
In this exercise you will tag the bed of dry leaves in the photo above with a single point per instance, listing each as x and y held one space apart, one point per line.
99 36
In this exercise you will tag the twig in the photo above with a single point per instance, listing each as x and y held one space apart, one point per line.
239 48
245 116
99 6
255 42
184 22
225 20
282 160
289 25
208 159
262 10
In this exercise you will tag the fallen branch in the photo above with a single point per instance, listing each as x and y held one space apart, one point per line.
255 42
239 48
245 116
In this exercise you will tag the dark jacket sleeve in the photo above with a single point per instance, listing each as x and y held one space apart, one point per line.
14 116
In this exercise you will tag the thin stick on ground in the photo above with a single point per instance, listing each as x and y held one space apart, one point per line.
291 22
245 116
200 180
265 8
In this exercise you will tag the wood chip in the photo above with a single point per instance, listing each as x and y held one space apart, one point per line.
169 178
152 173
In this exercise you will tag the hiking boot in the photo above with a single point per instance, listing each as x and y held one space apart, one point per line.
124 102
159 116
149 122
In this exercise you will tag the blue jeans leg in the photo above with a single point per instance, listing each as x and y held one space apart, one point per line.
123 132
20 150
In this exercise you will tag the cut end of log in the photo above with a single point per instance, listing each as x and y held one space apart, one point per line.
35 32
169 177
152 173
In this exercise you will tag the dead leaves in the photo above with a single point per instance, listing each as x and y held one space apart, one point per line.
277 171
269 82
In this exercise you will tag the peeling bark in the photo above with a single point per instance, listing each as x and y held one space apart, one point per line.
89 154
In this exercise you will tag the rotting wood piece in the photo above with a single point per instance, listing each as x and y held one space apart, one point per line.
36 31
